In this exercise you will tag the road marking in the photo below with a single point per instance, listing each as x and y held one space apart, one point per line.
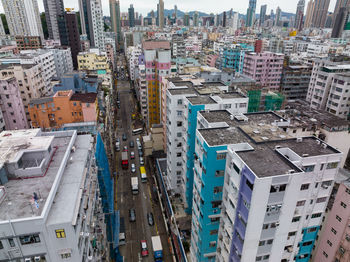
121 199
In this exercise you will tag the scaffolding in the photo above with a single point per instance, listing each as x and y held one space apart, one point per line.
273 101
254 100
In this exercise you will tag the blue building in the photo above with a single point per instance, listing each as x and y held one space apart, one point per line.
79 82
233 57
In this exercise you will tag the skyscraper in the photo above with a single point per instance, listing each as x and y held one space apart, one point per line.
131 16
23 18
195 19
224 20
339 4
251 13
278 16
309 13
262 15
91 17
186 19
73 35
161 14
320 13
340 21
299 15
175 10
53 9
2 30
114 9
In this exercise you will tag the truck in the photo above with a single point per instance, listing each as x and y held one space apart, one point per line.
134 185
125 160
143 174
157 248
122 240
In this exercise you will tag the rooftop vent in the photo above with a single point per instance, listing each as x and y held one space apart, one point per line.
264 138
282 136
318 142
299 139
277 147
324 145
305 155
256 132
291 171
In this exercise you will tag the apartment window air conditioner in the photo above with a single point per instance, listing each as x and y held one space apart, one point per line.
37 259
87 234
90 258
277 224
84 217
27 260
324 186
81 234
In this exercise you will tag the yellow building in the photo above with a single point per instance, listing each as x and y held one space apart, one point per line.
93 63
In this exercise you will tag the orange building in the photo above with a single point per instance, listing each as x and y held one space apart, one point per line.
62 108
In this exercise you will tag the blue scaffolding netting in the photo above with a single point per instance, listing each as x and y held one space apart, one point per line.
106 183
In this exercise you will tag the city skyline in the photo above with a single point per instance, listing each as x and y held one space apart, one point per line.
144 7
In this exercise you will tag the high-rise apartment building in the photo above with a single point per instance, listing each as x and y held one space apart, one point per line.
233 57
131 14
94 63
265 68
273 191
114 8
320 13
63 60
299 15
329 86
58 215
54 9
186 19
262 15
224 19
161 14
157 62
11 104
73 35
309 13
195 18
91 17
2 29
341 21
251 13
339 4
278 16
23 17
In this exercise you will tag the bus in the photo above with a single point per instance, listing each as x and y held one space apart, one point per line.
143 174
137 131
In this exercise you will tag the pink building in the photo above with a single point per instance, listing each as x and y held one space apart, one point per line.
265 68
11 104
211 60
88 105
334 243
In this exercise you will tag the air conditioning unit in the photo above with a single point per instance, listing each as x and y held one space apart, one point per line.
87 234
84 217
277 224
90 258
81 234
290 249
27 260
324 186
37 258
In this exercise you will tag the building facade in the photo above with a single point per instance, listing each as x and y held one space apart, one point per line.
233 57
93 63
73 37
265 68
53 10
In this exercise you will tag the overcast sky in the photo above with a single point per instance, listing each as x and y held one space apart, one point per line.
207 6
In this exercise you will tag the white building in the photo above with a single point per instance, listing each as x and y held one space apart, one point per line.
141 91
274 190
97 25
329 87
23 18
132 54
50 208
42 57
62 59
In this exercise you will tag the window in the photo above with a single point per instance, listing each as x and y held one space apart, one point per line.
269 242
11 242
261 243
329 243
332 165
219 173
60 233
258 258
220 156
179 113
308 243
334 231
179 134
325 254
296 219
316 215
266 257
1 245
300 203
66 255
213 232
313 229
30 239
178 164
87 104
347 190
304 187
179 101
179 123
178 154
309 168
212 243
343 204
292 233
217 189
321 199
338 218
215 219
265 226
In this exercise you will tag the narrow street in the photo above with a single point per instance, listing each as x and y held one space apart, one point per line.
142 202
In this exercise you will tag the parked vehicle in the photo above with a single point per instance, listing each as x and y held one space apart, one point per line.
140 153
131 144
133 168
143 174
132 215
144 250
141 161
150 219
132 154
157 248
134 185
117 144
125 160
125 149
122 240
124 137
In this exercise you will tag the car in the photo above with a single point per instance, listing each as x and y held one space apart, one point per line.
118 105
131 144
137 140
140 153
144 250
125 149
141 161
132 154
132 215
124 137
133 168
150 219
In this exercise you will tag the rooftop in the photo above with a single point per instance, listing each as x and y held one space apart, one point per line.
18 202
201 100
85 98
41 100
263 132
155 44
